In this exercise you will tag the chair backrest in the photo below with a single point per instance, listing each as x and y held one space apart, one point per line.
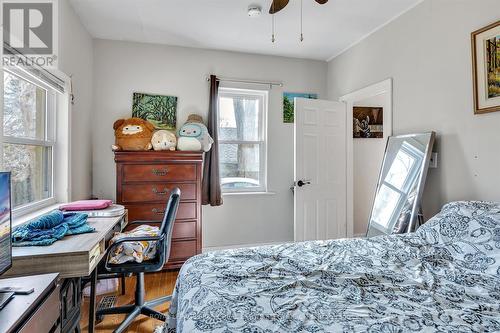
167 224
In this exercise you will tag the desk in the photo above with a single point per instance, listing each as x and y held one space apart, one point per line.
72 257
36 312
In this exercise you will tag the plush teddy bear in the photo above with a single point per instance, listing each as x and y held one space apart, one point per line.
164 140
193 135
133 134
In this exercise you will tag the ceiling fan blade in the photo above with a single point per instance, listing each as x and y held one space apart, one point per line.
321 2
277 5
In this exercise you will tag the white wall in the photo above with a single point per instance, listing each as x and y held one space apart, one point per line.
75 59
121 68
427 53
367 160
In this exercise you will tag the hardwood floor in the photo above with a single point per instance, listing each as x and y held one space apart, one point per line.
157 285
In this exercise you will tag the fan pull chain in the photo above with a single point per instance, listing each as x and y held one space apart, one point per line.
301 18
272 38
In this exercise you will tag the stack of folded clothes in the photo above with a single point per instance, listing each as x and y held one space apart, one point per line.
50 228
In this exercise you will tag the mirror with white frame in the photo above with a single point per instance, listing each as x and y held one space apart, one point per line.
401 183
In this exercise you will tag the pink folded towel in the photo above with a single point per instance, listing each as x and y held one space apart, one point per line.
86 205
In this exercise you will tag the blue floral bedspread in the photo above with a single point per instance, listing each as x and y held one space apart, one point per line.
443 278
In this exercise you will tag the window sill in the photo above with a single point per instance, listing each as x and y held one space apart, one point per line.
248 193
25 218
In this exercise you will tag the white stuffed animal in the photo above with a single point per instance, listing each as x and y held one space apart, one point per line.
193 135
164 140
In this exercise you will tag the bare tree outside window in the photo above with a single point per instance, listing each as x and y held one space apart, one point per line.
27 152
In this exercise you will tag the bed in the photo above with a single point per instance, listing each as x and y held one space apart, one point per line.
443 278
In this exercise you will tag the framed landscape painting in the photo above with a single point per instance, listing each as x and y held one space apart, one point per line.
288 104
486 68
158 109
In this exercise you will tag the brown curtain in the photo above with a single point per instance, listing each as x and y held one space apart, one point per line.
211 193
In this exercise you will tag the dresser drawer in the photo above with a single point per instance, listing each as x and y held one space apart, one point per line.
156 192
158 172
187 211
184 230
182 250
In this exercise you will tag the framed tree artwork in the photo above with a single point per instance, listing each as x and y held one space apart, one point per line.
158 109
486 68
288 104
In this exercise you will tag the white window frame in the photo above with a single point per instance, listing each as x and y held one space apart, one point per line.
49 141
263 97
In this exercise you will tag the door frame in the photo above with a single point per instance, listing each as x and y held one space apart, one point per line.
382 87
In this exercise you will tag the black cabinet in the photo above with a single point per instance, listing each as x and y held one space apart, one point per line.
71 300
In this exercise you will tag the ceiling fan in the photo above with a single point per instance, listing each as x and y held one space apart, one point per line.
278 5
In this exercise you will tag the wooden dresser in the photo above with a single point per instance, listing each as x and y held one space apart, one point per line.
144 180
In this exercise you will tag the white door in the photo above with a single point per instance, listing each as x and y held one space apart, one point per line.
320 170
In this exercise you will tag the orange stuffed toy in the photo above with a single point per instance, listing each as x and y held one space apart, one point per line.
133 134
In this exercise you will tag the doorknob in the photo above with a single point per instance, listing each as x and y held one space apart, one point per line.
303 182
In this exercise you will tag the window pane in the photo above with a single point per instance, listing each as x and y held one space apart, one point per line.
24 108
31 171
239 165
385 205
400 169
239 118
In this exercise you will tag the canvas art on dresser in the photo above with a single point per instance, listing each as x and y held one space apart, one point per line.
160 110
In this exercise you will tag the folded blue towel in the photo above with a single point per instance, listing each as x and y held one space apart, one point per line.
50 228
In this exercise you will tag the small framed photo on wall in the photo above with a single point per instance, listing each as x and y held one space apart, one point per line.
486 68
368 122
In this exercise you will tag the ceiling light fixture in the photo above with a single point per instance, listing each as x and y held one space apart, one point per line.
273 25
254 11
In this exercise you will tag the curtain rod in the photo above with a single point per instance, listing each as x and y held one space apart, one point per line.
267 83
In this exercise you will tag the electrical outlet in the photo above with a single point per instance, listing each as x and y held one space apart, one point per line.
433 163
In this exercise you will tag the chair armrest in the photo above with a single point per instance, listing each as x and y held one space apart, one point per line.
144 222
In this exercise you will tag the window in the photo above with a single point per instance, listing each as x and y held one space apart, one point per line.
28 139
242 140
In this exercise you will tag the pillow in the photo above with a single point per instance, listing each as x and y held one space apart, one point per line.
134 251
468 232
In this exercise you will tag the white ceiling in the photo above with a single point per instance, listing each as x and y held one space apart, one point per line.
223 24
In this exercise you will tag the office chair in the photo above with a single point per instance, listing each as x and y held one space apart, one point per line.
142 307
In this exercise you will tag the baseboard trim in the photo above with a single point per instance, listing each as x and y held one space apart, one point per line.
241 246
238 246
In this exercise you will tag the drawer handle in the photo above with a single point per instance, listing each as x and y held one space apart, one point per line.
158 211
159 172
164 192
